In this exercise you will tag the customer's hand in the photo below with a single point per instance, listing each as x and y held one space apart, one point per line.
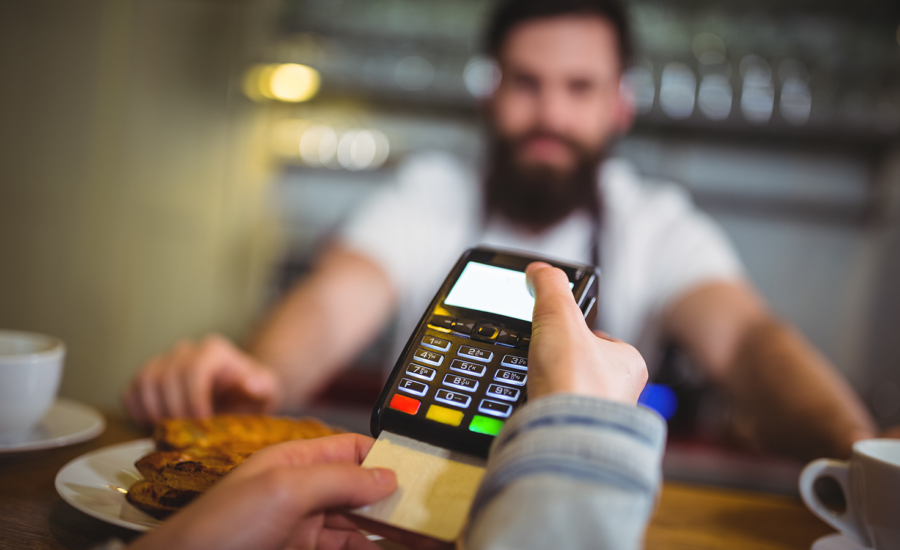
281 498
197 379
566 357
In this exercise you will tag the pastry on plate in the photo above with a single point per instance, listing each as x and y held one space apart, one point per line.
193 454
158 500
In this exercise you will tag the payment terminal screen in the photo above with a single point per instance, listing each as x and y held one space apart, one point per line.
494 290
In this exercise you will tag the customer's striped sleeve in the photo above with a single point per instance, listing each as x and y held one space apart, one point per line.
570 472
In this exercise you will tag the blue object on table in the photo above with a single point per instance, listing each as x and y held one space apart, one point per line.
660 398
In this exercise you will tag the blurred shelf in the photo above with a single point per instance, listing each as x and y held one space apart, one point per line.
848 53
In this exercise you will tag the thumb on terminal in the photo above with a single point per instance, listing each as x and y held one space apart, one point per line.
553 297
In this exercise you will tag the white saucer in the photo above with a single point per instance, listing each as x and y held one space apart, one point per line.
837 541
67 422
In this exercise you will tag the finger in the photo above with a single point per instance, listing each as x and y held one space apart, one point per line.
330 539
228 371
198 386
344 448
529 271
148 392
258 382
246 389
552 296
133 405
329 486
211 366
173 392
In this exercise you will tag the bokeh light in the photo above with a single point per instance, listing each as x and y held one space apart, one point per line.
481 76
757 94
289 82
639 81
715 97
795 103
676 92
660 398
362 149
791 69
294 83
318 145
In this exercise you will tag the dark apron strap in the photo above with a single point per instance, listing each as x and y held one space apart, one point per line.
596 227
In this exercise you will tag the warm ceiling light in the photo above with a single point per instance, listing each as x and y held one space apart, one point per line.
289 82
292 82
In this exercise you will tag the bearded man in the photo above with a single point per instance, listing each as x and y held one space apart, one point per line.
668 273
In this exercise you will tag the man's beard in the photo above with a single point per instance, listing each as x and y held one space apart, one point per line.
539 197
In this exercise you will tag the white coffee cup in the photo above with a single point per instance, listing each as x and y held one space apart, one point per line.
30 370
865 501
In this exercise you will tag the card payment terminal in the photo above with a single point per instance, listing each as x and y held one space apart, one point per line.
464 370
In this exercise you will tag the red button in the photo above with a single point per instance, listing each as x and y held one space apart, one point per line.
405 404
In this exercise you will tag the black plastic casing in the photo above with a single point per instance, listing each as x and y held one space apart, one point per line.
586 281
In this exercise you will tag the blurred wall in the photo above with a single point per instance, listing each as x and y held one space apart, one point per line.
883 345
132 202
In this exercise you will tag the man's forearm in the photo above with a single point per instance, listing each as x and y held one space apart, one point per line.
788 399
323 323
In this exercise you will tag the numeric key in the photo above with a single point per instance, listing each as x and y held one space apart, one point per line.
460 382
468 368
510 377
437 344
476 354
514 361
502 392
421 372
453 398
429 357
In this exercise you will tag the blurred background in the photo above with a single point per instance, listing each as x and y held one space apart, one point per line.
167 168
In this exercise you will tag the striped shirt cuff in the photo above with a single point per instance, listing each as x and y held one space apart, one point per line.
579 437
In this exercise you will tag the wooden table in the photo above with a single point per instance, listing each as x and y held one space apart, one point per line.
32 515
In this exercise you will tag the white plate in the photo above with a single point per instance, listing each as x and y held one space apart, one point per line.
96 483
67 422
836 541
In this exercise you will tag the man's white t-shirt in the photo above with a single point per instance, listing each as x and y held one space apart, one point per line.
655 245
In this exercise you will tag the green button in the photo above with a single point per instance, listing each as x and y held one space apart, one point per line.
485 425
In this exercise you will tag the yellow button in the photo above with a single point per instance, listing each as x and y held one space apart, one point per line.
444 415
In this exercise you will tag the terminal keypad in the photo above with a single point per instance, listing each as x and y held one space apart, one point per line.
465 374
